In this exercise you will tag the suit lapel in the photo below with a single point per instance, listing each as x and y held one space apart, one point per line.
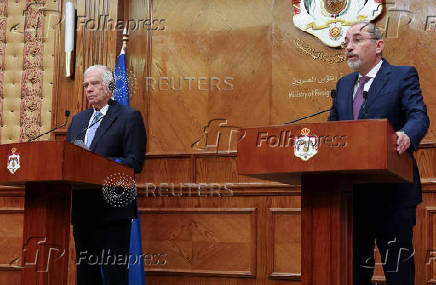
107 121
349 89
379 83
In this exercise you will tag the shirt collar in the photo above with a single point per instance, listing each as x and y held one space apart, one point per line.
103 110
373 72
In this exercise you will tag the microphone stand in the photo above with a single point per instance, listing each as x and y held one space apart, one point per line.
309 116
332 94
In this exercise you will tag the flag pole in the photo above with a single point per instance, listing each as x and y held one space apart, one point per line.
125 40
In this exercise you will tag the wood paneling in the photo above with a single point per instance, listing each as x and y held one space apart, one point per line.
286 242
11 235
430 234
210 62
212 242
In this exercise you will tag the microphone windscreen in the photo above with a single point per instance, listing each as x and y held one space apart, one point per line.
67 113
333 93
365 95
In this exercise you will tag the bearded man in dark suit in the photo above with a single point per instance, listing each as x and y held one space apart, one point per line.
102 231
384 214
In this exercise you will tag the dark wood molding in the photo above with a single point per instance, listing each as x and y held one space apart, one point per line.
203 273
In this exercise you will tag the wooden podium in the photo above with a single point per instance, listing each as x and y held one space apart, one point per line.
327 159
50 170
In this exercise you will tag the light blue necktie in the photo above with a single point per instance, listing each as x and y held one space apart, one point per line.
94 126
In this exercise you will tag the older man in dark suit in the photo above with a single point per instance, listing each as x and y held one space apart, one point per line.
102 231
383 213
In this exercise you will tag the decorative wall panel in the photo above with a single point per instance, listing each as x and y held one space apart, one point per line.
27 81
286 242
216 242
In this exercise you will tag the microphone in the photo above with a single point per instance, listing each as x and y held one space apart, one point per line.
67 114
363 109
332 94
81 143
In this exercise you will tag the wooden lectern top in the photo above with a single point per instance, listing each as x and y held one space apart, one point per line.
56 161
364 150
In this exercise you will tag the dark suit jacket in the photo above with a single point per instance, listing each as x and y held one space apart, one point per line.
395 94
121 136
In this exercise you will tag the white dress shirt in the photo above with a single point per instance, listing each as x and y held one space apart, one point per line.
372 74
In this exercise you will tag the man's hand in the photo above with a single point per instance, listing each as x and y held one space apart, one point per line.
403 142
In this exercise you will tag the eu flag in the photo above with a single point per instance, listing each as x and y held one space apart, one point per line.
121 93
136 262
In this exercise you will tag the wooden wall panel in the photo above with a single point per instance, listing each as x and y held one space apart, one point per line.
213 242
286 243
227 220
430 241
161 170
426 162
10 276
211 62
11 235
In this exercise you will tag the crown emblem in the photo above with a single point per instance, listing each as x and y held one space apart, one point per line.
13 163
306 146
305 132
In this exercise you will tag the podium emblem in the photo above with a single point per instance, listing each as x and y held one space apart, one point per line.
306 145
13 161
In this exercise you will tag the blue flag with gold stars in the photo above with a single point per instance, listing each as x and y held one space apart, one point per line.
136 260
121 93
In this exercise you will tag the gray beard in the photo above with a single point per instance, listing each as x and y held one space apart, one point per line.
354 64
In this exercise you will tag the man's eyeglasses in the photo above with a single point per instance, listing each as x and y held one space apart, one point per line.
355 41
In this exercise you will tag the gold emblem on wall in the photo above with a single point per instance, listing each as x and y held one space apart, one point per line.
329 20
335 6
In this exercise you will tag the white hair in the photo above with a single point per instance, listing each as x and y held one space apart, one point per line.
107 77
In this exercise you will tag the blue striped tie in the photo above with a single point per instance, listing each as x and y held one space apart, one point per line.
94 126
